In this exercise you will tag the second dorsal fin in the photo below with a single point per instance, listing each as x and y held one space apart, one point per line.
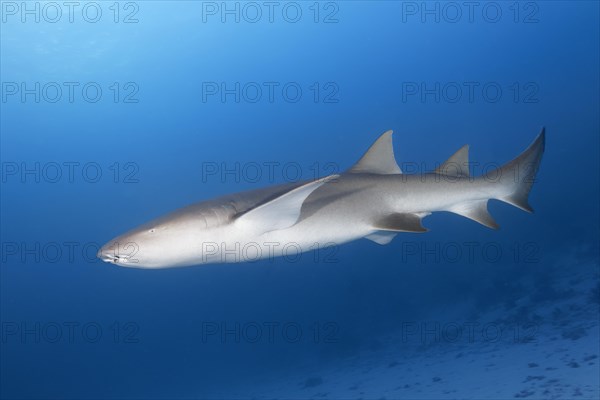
457 164
379 159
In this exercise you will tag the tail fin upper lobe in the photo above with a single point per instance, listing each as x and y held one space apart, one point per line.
517 176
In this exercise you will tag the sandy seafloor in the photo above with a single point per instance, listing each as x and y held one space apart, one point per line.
539 349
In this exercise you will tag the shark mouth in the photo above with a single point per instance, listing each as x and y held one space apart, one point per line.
113 258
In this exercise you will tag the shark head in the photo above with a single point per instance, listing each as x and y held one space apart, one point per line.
166 241
142 247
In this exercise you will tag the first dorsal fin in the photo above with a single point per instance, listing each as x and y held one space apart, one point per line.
379 159
457 164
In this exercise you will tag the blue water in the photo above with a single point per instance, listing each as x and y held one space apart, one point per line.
194 102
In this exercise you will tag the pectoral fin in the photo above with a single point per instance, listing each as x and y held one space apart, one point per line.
281 212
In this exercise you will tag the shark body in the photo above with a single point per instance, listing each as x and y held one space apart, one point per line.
372 200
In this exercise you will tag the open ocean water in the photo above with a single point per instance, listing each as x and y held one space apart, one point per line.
116 112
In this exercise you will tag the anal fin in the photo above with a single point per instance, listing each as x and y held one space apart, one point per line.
477 211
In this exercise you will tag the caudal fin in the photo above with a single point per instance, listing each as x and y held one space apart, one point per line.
517 176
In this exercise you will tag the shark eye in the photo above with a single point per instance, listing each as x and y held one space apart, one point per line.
152 230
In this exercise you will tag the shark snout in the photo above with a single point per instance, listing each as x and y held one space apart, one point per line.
113 253
108 253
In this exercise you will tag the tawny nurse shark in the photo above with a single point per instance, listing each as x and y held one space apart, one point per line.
372 200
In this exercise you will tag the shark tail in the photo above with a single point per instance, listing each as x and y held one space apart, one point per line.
516 177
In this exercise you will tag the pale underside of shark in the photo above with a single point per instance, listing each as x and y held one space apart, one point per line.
372 200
